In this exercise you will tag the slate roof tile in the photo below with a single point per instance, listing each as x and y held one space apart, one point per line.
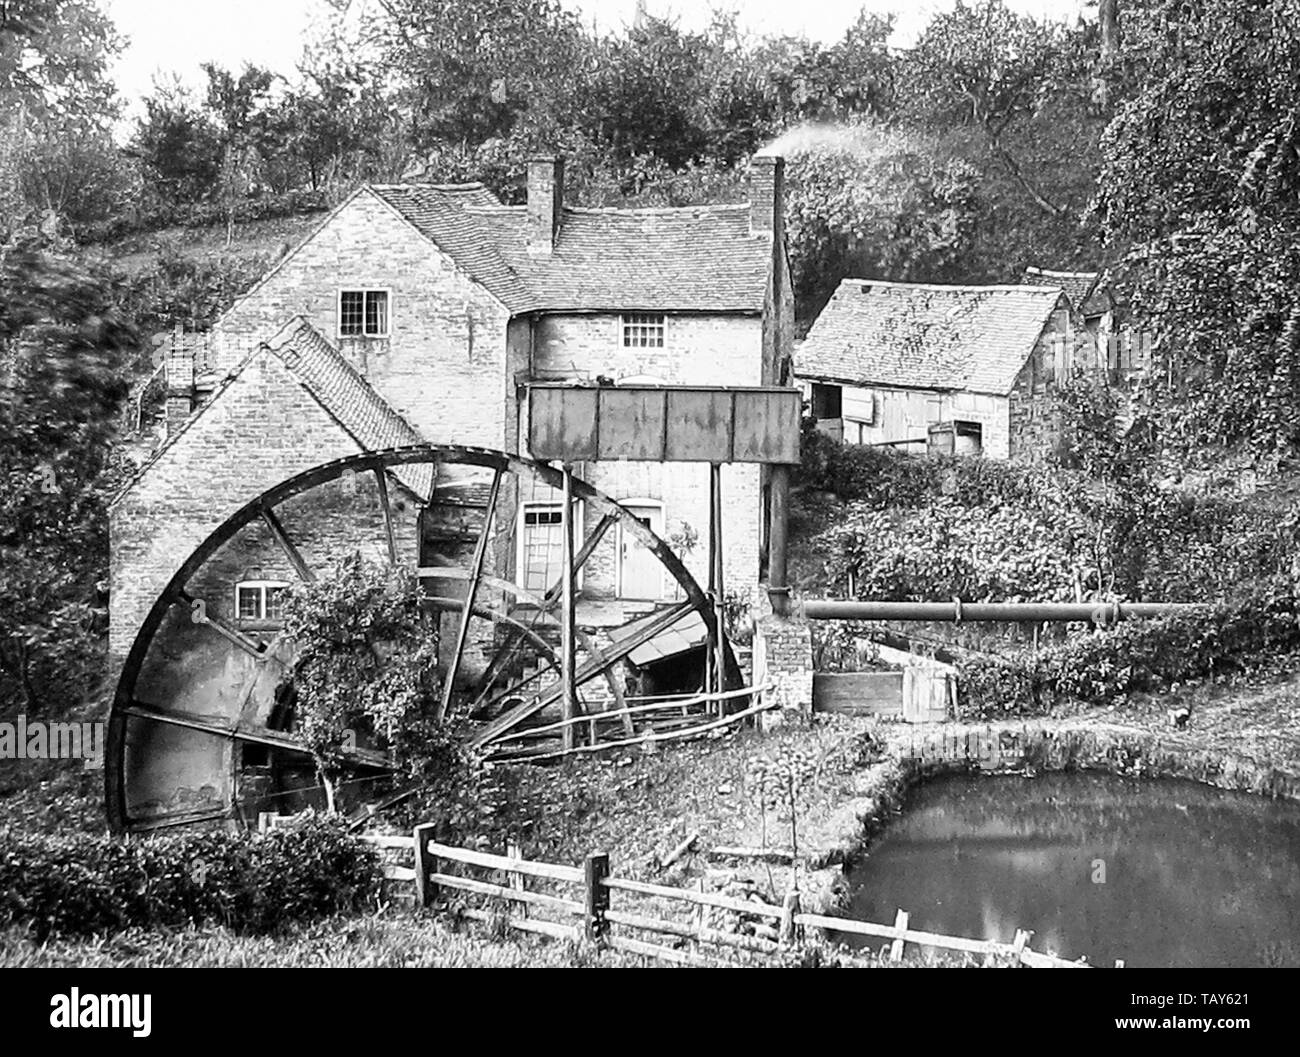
923 336
700 258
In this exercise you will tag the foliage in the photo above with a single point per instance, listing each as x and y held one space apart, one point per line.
1198 193
63 343
366 667
943 551
60 885
1105 667
866 201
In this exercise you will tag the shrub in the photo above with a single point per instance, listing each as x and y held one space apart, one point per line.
81 884
1141 655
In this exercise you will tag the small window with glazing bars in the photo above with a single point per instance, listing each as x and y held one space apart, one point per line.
363 314
643 330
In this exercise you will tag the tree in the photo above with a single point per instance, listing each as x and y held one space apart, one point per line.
180 146
866 201
1199 193
366 666
56 111
63 349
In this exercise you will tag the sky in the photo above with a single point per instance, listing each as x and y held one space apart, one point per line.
176 36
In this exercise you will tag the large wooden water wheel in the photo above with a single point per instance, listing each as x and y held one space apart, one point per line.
201 728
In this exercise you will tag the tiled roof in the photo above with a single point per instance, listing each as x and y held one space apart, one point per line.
349 398
1084 289
689 259
927 337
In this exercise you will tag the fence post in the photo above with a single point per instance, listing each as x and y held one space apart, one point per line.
517 879
789 908
597 896
896 950
425 864
1018 947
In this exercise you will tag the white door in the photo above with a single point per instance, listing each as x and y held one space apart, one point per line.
640 574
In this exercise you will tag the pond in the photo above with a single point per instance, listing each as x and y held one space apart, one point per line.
1160 873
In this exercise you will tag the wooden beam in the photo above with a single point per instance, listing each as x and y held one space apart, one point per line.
256 735
199 615
568 657
471 595
718 638
290 551
609 655
382 481
506 652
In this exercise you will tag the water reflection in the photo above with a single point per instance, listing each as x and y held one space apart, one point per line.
1159 873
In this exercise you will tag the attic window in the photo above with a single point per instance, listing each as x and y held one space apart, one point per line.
643 330
363 314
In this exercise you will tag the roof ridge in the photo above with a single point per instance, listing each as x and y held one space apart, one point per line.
1029 288
658 210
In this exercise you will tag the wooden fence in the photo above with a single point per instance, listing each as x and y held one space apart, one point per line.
578 903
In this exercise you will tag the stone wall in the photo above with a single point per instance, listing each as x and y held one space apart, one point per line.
783 658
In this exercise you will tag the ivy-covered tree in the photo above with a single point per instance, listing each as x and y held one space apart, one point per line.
1200 191
366 669
64 345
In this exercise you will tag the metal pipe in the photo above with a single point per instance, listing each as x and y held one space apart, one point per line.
957 611
777 589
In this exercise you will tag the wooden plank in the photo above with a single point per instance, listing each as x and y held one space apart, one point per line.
387 841
673 928
471 596
258 736
543 928
655 950
585 672
766 426
698 425
568 655
506 652
286 545
741 906
390 534
516 895
562 423
632 424
552 871
393 872
858 693
691 732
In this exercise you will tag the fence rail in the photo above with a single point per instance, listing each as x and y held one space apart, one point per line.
585 910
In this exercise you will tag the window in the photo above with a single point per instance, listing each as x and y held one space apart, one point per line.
541 545
643 330
260 599
827 401
363 314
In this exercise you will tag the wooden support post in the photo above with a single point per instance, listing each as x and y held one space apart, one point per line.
1018 947
716 583
777 535
425 864
789 909
471 596
290 551
381 482
517 880
896 949
199 615
597 896
567 652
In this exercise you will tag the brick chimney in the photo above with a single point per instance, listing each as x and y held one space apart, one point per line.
767 194
545 201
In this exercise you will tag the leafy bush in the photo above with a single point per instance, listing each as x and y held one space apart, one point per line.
1141 655
936 552
81 884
